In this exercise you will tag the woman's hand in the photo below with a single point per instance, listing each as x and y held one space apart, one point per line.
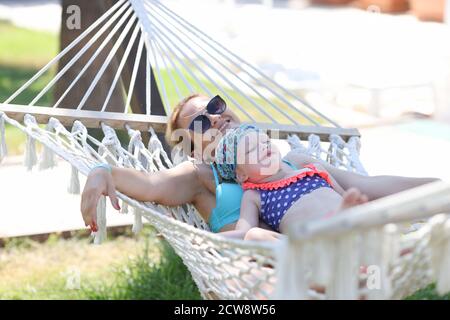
99 182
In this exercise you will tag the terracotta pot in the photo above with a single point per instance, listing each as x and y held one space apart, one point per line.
428 10
386 6
331 2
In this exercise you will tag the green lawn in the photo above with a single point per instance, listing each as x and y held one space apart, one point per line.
124 267
428 293
22 53
21 47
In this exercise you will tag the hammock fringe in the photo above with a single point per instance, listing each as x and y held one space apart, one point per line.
3 147
100 235
47 159
74 184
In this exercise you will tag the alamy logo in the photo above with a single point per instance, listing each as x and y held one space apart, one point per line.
74 19
73 279
373 277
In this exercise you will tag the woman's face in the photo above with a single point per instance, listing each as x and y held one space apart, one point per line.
257 157
205 143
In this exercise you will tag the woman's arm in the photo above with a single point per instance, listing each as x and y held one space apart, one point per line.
171 187
374 187
249 217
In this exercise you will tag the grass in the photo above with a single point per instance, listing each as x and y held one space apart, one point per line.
21 47
12 78
121 268
428 293
22 53
143 279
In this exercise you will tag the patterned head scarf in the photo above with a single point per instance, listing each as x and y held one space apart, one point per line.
226 150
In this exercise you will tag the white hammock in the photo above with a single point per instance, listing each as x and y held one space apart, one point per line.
328 253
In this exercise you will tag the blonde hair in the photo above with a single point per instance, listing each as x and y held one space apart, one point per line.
172 125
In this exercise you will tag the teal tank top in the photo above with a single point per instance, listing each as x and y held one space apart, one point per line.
228 202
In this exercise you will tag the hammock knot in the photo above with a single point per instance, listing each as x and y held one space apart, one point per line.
29 120
354 144
79 128
154 143
296 144
314 147
54 124
335 151
337 140
135 138
110 138
354 147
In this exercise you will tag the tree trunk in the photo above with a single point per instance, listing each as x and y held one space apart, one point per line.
91 10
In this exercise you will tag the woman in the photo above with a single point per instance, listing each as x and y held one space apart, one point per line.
203 121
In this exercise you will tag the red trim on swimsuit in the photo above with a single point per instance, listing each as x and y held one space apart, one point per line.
287 181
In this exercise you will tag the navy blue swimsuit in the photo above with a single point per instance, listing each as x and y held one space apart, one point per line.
278 196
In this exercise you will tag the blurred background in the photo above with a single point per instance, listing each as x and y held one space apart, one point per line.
382 66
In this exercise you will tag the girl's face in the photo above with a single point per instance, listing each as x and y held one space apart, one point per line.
257 158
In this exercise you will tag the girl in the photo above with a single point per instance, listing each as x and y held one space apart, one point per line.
274 189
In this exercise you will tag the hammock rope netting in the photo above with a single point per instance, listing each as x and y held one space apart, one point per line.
318 260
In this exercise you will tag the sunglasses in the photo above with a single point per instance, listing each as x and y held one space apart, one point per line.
215 106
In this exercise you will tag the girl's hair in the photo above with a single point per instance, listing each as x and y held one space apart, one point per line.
172 125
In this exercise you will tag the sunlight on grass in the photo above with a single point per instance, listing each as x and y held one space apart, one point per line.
22 53
39 271
121 268
12 78
146 279
26 48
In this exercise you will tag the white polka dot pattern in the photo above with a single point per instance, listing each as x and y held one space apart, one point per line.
273 208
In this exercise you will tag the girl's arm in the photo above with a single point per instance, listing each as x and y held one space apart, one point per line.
373 186
249 217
